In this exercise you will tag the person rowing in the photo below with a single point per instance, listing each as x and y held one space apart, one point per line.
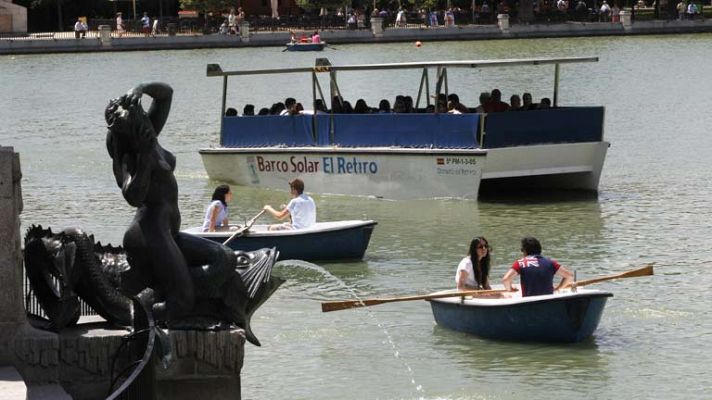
301 209
536 273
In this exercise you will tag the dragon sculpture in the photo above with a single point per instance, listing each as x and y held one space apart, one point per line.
189 282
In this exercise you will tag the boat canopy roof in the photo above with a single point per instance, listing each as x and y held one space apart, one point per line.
323 65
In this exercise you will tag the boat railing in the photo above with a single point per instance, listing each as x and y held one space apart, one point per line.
456 131
353 130
556 125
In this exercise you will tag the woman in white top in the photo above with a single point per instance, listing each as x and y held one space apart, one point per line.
217 213
473 270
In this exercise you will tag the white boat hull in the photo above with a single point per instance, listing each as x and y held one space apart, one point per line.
563 166
390 173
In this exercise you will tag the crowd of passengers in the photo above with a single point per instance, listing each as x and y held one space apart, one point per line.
489 102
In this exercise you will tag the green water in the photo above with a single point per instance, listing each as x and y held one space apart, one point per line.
654 205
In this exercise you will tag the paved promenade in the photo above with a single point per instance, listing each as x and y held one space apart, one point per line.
93 42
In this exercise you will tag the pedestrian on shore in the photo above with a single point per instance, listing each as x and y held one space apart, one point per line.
119 24
536 273
691 10
80 28
605 11
155 30
473 270
400 18
232 22
146 24
681 10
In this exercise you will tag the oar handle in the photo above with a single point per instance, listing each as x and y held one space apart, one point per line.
336 305
242 230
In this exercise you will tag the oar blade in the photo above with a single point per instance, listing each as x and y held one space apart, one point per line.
643 271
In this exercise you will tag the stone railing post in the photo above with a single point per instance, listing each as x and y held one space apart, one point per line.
245 31
503 22
377 26
105 35
625 19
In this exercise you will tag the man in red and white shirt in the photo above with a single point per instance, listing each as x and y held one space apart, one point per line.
536 273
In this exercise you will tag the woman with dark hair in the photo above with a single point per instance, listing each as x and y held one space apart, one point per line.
217 213
473 270
361 107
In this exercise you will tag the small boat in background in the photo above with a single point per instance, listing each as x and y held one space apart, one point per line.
305 46
560 317
335 240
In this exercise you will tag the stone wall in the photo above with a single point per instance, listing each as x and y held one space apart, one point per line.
13 18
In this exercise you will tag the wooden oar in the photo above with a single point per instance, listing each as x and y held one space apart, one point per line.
327 306
642 271
242 230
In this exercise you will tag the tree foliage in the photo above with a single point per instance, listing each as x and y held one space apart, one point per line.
206 5
317 4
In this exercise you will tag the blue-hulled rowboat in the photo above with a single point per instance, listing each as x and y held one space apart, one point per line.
335 240
560 317
306 46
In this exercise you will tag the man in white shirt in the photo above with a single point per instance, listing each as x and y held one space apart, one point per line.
301 209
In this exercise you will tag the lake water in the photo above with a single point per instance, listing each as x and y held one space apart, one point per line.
653 206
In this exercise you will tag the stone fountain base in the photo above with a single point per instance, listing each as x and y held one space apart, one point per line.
205 364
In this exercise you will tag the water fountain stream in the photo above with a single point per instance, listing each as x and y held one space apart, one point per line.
389 338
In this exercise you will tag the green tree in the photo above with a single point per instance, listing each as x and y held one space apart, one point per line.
206 5
526 11
317 4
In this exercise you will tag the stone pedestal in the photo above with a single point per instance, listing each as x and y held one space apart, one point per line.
205 365
105 35
503 22
12 308
245 31
377 26
625 19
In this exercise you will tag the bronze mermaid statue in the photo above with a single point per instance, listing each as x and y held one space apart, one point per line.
192 283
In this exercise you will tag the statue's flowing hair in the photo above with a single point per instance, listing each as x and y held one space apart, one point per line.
128 124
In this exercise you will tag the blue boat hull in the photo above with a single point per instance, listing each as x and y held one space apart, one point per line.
343 244
559 319
305 47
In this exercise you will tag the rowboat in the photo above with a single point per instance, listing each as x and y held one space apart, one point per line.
411 155
559 317
306 46
335 240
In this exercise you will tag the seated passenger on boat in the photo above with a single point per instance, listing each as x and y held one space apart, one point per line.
301 209
217 213
316 38
536 273
473 270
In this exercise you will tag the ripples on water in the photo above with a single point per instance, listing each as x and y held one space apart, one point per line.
654 205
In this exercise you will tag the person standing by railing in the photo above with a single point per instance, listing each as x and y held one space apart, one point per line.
80 29
119 24
146 24
691 10
155 30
